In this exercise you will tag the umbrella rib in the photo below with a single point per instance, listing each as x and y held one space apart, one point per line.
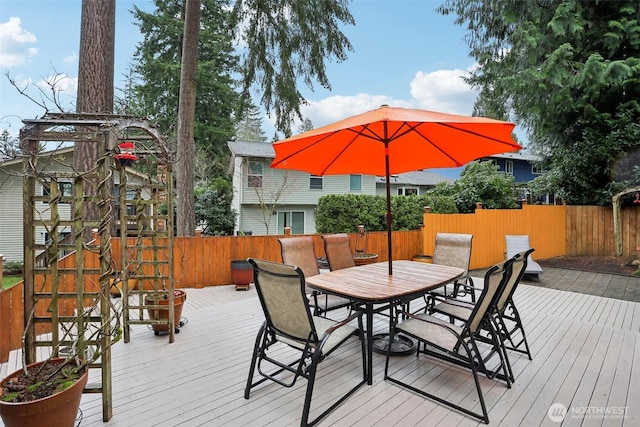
372 135
470 132
306 147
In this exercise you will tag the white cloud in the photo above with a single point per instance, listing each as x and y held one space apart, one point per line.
14 40
444 91
71 59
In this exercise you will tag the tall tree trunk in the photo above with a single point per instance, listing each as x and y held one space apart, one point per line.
95 81
186 117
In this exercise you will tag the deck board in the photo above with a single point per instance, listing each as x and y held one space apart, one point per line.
586 353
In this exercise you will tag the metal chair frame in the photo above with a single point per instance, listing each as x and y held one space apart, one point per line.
459 345
281 286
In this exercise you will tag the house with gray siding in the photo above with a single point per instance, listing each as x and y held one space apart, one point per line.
268 200
11 203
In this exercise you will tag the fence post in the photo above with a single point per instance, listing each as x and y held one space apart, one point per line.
1 270
287 231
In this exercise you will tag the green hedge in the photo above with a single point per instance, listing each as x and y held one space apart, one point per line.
342 213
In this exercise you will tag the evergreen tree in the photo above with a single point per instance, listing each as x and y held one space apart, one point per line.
9 145
306 125
288 41
157 63
569 72
249 127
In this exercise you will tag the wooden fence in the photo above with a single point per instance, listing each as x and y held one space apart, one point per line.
553 231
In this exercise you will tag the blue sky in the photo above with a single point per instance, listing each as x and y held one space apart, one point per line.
405 55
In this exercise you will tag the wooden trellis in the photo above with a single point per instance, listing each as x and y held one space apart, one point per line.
73 308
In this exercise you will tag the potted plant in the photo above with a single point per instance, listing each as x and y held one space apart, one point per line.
49 391
179 297
361 256
241 274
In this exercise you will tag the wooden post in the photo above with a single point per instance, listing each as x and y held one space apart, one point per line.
287 231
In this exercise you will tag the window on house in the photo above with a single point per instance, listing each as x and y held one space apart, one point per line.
407 191
254 177
355 182
536 170
61 237
65 188
293 219
508 167
130 195
315 182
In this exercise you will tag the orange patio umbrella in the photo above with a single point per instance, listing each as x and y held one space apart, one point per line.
388 141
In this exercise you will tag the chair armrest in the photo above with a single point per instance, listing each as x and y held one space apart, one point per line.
435 323
353 316
458 303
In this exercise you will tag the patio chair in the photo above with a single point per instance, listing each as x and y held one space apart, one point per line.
504 311
289 323
457 344
338 251
301 251
519 243
453 250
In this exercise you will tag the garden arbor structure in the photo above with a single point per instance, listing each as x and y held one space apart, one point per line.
68 307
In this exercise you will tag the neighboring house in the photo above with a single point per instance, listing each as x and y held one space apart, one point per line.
268 200
11 202
410 183
524 168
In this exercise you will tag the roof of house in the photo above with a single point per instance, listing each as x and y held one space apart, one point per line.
415 178
517 156
252 149
61 151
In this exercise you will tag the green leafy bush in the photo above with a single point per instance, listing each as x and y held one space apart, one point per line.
213 207
342 213
12 268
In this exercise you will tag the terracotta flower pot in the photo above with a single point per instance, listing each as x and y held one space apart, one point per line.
241 274
179 297
59 409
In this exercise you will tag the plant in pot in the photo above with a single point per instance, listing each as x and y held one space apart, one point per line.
162 299
48 392
241 274
361 256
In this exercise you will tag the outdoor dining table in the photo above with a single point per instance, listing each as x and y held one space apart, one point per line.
372 288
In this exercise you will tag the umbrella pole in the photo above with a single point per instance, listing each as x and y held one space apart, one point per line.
389 215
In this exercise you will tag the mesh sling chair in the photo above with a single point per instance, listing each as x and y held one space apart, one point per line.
338 251
289 322
457 344
507 318
454 250
301 251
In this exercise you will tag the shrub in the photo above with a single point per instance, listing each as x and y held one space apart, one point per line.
12 268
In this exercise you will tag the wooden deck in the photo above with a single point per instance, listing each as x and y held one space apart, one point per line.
586 353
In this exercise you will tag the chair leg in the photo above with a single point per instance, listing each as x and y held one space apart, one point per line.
515 318
254 359
311 379
470 363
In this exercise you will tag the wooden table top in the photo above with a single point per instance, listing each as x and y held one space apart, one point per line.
372 283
